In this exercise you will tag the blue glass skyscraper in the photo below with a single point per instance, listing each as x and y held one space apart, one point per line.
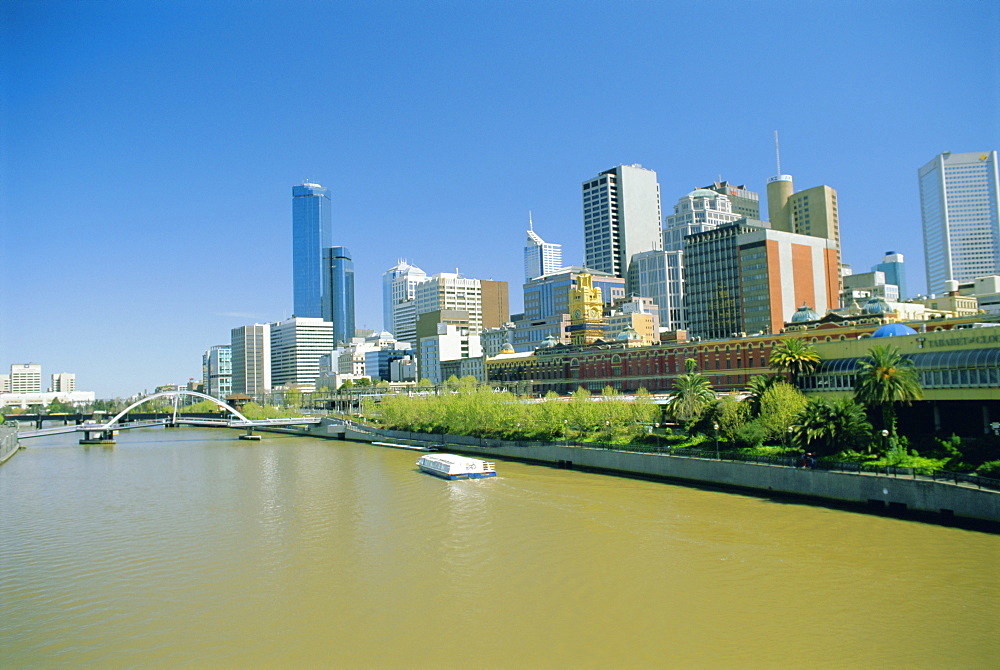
338 292
311 234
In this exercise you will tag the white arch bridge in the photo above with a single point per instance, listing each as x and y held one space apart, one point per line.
103 433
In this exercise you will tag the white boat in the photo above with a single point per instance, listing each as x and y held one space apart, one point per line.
450 466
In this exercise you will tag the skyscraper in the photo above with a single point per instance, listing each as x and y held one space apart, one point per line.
338 292
540 257
311 234
700 210
251 359
399 315
297 344
959 196
621 217
895 272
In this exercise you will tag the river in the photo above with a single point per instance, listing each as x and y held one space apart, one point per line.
188 547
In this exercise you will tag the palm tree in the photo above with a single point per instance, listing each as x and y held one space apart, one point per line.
830 426
795 357
885 378
693 394
756 388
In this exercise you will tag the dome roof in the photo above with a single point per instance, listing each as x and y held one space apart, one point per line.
876 305
507 349
703 193
629 335
804 314
894 329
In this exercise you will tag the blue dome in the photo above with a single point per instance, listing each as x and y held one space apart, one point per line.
876 305
894 329
804 314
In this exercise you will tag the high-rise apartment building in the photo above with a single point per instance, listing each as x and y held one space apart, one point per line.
297 344
895 272
745 277
338 292
744 201
217 371
621 217
540 257
451 291
959 200
700 210
251 359
63 382
311 234
26 378
399 315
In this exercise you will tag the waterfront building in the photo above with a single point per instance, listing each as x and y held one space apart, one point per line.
698 211
744 201
621 217
450 342
63 382
378 363
26 378
311 234
659 275
297 344
338 292
398 308
250 350
587 323
540 257
746 277
894 268
960 209
217 371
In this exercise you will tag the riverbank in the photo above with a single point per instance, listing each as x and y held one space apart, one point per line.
8 442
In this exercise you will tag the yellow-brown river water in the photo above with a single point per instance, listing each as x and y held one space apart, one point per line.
187 547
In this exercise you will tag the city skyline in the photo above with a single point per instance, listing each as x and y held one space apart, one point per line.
149 157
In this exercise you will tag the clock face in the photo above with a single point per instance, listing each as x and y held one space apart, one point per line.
592 314
576 314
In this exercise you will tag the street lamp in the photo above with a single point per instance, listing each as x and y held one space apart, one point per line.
885 447
789 432
715 427
996 428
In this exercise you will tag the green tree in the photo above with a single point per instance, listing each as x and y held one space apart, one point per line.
756 387
827 427
795 357
692 395
884 379
779 407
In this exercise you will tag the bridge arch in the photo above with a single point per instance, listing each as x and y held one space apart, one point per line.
165 394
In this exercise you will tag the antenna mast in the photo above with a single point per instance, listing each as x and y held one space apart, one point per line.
777 151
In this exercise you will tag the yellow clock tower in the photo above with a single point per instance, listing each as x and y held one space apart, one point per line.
586 311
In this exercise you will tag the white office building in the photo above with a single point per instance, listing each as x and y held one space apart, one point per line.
698 211
398 308
217 371
621 217
450 291
251 359
63 382
451 343
959 198
296 347
540 257
26 378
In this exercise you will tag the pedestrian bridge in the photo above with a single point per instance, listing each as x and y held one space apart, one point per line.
103 433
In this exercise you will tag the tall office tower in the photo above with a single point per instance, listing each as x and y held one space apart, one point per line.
496 303
812 212
63 382
251 359
700 210
217 371
621 217
311 234
744 201
745 277
659 276
26 378
451 291
297 344
895 272
540 257
959 198
338 292
398 310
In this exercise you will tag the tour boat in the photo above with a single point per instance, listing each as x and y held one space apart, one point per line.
450 466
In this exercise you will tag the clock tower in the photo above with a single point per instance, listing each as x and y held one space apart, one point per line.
586 311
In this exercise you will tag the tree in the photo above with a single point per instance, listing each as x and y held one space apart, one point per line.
756 388
779 407
827 427
795 357
885 378
692 395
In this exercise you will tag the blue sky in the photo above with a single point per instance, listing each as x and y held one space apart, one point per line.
149 148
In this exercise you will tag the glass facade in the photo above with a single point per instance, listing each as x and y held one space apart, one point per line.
338 292
963 368
311 234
